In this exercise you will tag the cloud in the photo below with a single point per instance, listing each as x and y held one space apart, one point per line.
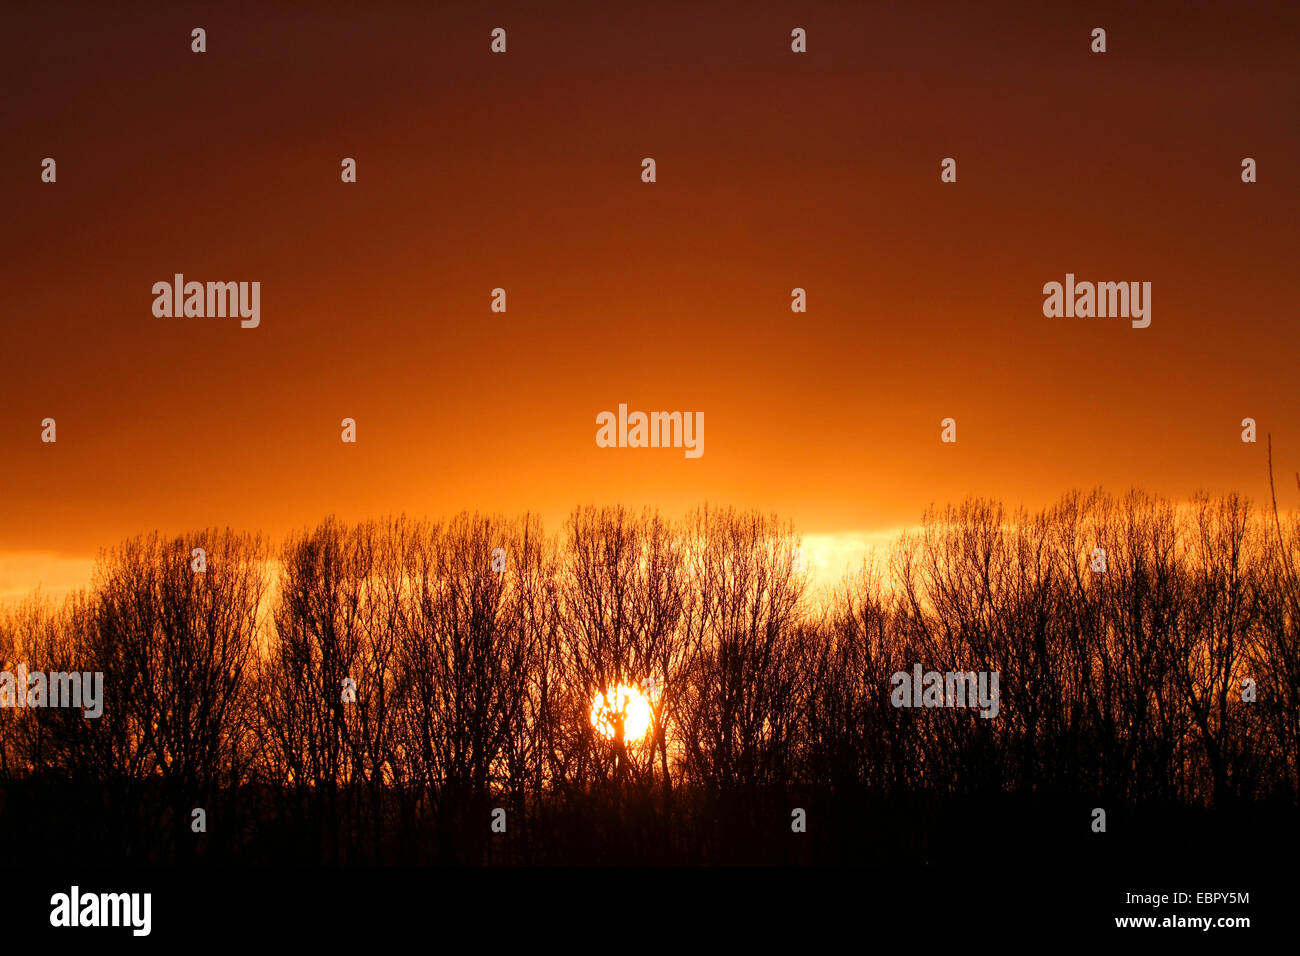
831 556
21 572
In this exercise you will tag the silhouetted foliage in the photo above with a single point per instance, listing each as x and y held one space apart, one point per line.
475 673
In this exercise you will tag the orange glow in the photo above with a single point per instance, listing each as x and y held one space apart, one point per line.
925 298
623 703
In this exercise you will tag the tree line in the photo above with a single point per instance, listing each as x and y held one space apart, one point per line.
476 646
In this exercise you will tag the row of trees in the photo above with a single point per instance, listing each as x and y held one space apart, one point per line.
475 670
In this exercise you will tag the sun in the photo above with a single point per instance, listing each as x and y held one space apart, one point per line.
626 703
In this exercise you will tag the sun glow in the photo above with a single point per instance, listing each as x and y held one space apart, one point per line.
623 703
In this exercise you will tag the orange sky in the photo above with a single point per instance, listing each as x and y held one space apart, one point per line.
522 170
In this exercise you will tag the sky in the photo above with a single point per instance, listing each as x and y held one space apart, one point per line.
522 171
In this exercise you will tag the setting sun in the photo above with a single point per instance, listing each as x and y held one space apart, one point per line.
626 703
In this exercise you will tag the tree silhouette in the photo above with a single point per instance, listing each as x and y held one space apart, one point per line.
369 692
